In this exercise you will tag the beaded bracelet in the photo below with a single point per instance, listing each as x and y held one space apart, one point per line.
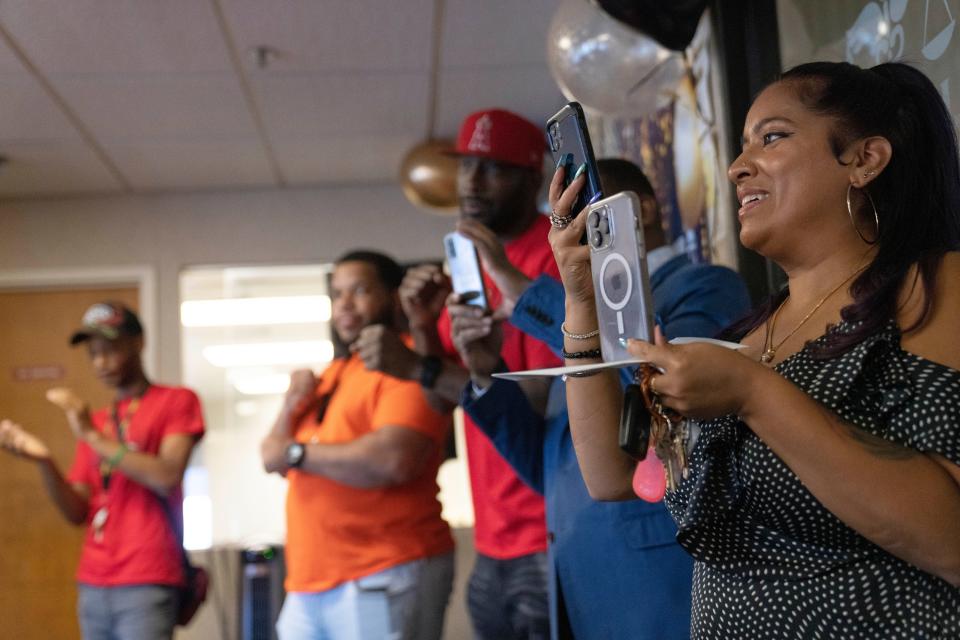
577 336
577 355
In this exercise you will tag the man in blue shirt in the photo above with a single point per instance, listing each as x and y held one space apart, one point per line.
616 569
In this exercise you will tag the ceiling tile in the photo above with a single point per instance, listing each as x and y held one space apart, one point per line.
335 35
30 114
496 32
118 36
297 105
179 107
529 91
53 169
343 160
193 165
9 62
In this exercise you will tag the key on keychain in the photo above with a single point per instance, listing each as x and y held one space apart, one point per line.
669 445
669 433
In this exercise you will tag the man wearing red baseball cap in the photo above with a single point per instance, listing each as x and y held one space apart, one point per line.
501 159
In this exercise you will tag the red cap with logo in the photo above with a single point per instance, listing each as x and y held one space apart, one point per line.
502 136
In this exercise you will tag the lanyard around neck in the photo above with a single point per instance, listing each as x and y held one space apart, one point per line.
119 428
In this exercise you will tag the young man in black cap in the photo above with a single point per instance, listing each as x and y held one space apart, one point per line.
124 484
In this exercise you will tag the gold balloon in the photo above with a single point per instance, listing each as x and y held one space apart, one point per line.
428 175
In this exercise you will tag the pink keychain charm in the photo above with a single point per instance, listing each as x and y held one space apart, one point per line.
649 478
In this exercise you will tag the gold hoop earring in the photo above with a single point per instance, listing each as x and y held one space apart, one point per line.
876 217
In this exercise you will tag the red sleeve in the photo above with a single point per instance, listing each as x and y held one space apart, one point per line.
185 414
443 330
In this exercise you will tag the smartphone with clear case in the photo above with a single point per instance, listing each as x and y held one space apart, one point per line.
621 281
466 276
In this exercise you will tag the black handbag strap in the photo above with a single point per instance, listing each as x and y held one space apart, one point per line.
177 529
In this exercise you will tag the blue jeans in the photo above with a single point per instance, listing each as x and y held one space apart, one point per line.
136 612
406 602
507 599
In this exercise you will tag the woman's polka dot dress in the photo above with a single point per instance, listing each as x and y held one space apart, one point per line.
771 561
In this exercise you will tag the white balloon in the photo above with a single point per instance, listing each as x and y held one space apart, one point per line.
606 66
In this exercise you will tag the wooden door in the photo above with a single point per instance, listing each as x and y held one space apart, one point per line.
39 550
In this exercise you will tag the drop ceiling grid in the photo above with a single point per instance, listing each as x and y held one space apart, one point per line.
336 35
117 36
347 96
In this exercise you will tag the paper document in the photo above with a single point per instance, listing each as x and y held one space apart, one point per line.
559 371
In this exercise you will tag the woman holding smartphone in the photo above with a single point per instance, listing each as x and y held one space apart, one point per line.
822 494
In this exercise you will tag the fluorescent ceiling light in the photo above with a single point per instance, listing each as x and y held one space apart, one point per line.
263 384
232 312
269 353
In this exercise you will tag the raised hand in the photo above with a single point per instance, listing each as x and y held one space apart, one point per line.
478 338
303 383
16 440
573 259
75 408
422 294
381 349
509 280
699 380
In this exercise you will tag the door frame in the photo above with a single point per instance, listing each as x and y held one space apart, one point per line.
142 276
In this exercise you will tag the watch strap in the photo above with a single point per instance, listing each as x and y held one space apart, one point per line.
430 367
295 454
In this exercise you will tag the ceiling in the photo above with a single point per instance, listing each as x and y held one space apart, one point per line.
134 96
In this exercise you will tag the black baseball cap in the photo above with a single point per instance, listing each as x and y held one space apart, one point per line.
109 320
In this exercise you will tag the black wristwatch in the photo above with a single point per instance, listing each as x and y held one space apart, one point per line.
430 367
295 454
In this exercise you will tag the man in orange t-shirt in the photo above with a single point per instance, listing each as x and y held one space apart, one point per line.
368 555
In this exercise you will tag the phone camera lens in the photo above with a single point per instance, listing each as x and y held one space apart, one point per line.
597 239
555 138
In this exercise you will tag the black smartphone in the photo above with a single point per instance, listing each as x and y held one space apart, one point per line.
466 275
568 138
634 423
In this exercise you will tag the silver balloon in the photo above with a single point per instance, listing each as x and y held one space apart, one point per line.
606 66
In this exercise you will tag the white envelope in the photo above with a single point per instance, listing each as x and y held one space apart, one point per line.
559 371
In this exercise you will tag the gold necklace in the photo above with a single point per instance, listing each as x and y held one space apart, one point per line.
770 349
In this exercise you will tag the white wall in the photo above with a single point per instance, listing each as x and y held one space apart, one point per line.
168 232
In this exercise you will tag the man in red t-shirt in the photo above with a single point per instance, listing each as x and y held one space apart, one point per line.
124 484
501 156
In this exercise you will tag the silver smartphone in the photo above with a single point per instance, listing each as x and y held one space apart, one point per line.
621 281
465 272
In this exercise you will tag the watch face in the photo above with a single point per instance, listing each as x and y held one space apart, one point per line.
295 453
